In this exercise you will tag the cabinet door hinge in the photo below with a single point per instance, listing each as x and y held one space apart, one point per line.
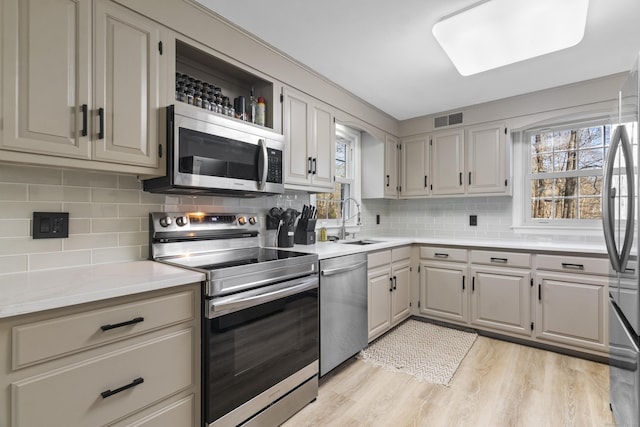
160 47
159 151
531 326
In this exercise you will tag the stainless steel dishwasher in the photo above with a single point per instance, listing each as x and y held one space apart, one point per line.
343 309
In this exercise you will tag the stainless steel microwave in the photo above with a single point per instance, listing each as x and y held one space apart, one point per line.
211 154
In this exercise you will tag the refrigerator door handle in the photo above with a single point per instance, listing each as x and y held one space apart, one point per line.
630 175
608 198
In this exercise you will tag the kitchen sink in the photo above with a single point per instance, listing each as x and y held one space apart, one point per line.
360 242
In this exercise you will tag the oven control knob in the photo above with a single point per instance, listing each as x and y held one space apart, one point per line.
253 220
182 220
165 221
242 220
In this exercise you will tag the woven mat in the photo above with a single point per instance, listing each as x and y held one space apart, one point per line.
428 352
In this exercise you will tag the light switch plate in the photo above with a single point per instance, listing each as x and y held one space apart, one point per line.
50 225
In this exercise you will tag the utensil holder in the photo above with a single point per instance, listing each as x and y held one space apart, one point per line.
305 233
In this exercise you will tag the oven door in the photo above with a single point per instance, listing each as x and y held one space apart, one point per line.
258 346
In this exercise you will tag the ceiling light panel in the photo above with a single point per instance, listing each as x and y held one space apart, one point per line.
500 32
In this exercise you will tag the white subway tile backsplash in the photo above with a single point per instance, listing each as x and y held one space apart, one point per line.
138 211
26 245
89 241
58 193
103 195
30 174
129 182
13 264
91 210
89 179
66 259
119 254
15 228
24 210
13 192
79 226
115 225
132 239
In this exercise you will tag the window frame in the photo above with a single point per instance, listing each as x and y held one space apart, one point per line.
522 219
354 181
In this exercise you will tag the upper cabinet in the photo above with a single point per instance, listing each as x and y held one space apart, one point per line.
414 167
487 160
81 83
463 161
309 130
391 175
448 162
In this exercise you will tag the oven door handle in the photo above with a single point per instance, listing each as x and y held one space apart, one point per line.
232 303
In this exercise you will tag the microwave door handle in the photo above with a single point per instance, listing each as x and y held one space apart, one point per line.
608 199
263 166
630 175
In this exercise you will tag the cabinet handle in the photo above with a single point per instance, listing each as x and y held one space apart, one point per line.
460 178
441 255
315 166
309 168
463 283
425 181
500 260
387 180
570 266
120 325
390 284
101 123
132 384
469 178
473 284
539 292
395 283
85 112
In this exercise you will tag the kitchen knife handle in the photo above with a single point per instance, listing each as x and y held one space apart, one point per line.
85 113
101 123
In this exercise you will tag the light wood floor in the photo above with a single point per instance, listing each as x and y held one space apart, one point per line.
498 384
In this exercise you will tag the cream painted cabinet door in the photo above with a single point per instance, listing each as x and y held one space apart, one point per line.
414 153
443 290
401 295
46 60
487 160
126 86
572 309
447 162
379 300
309 131
324 137
501 299
390 167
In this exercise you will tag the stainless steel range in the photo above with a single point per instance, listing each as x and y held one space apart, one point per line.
260 327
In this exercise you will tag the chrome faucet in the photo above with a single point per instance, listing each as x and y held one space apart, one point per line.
343 230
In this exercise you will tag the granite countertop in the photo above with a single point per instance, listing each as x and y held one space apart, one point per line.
334 249
23 293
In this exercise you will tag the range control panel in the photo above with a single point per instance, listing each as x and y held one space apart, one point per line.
202 221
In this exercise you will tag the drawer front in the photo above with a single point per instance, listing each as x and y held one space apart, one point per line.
444 254
74 395
398 254
376 259
35 342
177 414
499 258
572 264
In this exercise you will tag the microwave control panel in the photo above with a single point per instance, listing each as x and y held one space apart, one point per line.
274 174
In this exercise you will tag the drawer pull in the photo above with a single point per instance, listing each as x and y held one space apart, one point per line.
440 255
570 266
132 384
120 325
500 260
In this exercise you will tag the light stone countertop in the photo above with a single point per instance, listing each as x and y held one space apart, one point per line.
23 293
326 250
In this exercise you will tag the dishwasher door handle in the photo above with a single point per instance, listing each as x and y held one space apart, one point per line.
332 271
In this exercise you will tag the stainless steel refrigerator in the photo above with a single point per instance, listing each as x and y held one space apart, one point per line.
620 209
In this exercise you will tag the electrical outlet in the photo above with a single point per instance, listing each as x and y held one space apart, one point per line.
473 220
50 225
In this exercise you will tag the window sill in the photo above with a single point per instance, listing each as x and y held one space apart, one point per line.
557 230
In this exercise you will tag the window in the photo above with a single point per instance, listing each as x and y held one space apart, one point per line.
565 172
347 183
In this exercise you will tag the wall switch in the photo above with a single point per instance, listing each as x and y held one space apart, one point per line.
473 220
50 225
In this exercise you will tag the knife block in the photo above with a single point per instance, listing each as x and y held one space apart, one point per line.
305 233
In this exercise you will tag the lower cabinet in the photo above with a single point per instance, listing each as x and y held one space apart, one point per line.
501 299
443 290
113 367
571 309
389 289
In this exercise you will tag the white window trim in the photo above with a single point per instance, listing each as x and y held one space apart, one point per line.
522 224
355 184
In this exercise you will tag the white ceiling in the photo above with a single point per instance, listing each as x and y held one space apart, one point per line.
383 51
